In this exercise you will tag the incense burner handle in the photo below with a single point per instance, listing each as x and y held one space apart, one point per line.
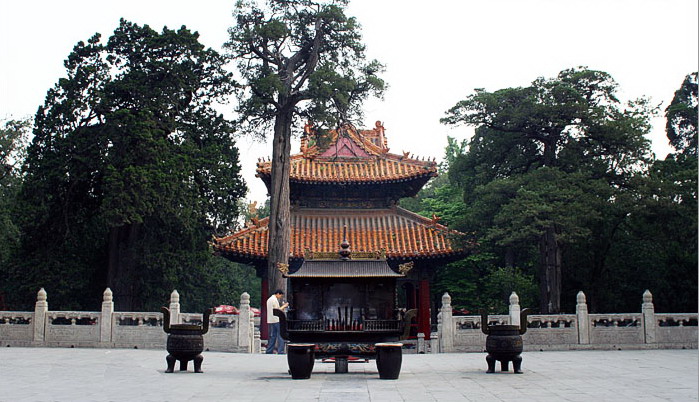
484 321
205 321
166 319
523 320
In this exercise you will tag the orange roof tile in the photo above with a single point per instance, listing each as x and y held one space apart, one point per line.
401 233
352 156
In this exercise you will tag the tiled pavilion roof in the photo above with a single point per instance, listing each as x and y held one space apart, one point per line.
401 233
351 156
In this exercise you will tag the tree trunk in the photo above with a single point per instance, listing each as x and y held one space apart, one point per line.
550 272
279 230
121 269
549 156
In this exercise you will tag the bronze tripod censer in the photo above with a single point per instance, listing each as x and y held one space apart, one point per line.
504 343
185 342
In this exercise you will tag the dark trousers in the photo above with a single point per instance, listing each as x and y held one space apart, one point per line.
275 341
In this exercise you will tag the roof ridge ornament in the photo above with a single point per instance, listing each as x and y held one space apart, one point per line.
344 246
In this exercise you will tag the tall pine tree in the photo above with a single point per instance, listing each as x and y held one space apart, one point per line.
299 59
130 172
545 161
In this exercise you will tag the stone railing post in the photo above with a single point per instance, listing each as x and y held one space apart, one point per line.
252 332
648 311
244 317
257 344
447 332
175 308
515 309
106 316
40 309
583 319
434 343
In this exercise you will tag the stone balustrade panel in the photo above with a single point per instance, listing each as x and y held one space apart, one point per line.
140 330
676 328
550 331
616 329
72 328
16 328
223 331
468 336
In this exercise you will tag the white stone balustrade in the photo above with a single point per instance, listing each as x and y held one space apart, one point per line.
238 333
17 327
574 331
108 328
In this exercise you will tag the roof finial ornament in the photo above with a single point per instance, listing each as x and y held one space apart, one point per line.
344 246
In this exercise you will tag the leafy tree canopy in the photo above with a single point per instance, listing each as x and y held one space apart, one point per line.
304 57
130 170
681 117
297 59
543 160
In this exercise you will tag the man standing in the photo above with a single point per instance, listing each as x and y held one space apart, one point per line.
275 340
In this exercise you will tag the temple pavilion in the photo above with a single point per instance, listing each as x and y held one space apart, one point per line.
348 180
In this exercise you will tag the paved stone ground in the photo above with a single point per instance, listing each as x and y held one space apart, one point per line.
52 374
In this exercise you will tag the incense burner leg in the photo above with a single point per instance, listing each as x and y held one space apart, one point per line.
170 359
341 364
300 358
183 364
491 363
504 365
198 359
389 358
517 364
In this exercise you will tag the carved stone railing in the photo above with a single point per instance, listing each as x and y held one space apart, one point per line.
71 328
17 327
107 328
550 331
223 331
574 331
137 330
675 328
615 329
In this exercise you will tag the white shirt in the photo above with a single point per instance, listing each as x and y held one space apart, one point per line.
272 303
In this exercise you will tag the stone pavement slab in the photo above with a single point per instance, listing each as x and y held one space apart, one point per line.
53 374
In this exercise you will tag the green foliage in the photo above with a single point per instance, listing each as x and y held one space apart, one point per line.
476 282
560 157
13 142
301 57
439 197
129 173
681 117
298 59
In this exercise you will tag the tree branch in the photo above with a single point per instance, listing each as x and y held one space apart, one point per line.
312 60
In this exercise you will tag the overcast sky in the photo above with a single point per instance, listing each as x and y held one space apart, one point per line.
435 52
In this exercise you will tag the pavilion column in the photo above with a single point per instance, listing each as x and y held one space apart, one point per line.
423 322
264 331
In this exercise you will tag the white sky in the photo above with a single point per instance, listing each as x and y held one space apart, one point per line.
436 52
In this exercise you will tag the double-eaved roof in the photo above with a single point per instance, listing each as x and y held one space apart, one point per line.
347 178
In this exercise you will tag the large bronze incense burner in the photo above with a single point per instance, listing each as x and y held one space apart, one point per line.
185 342
343 309
504 343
